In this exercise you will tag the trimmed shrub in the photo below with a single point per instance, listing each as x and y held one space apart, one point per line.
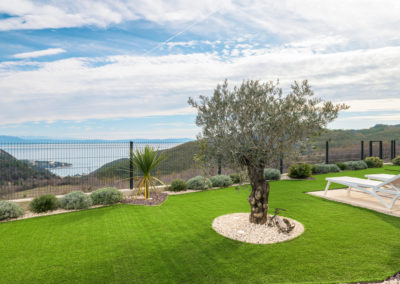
301 170
76 200
178 185
324 168
356 165
272 174
44 203
221 181
199 183
235 178
9 209
108 195
396 161
342 166
374 162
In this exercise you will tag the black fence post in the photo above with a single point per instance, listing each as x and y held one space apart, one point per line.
327 152
362 150
130 165
381 150
281 165
394 149
370 148
391 149
219 166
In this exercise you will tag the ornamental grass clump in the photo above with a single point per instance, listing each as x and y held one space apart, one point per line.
199 183
146 161
76 200
324 168
178 185
44 203
396 161
272 174
374 162
108 195
9 210
221 181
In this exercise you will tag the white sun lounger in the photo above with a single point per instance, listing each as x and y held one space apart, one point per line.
382 177
391 187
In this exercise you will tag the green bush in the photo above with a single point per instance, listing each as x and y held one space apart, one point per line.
76 200
272 174
44 203
108 195
199 182
342 166
301 170
356 165
374 162
396 161
9 209
235 178
178 185
324 168
221 181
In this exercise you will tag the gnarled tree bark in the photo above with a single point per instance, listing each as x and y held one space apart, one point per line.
258 198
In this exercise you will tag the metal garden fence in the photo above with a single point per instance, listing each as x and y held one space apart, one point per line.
59 167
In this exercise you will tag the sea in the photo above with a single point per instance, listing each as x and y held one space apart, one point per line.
82 157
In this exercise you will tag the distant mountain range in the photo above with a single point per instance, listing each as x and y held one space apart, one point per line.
29 140
377 132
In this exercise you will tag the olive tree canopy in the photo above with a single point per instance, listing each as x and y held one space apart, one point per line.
255 124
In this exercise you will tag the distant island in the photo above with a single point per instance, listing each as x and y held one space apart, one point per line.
47 164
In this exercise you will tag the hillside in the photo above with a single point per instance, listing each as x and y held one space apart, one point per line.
179 158
15 171
340 138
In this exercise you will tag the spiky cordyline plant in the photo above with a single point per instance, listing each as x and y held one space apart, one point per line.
146 161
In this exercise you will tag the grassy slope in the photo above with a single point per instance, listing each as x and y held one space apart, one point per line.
175 242
179 158
349 137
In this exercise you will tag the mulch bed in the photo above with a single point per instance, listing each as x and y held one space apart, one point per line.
156 198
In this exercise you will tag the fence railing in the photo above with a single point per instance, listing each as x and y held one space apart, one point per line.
34 169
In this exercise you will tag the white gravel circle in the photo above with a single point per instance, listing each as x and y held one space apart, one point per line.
236 226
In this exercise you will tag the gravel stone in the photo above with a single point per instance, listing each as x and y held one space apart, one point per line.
237 226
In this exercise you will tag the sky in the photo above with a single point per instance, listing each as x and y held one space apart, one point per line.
118 69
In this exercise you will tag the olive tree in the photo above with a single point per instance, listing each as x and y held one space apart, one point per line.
255 124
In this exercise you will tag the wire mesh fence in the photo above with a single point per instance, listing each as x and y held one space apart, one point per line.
34 169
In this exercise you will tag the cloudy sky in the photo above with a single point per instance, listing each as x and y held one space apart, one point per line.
124 69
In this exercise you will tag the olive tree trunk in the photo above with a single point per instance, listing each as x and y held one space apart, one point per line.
258 198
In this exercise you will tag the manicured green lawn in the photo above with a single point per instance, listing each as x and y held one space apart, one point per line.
174 243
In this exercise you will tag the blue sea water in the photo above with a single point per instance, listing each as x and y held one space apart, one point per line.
84 157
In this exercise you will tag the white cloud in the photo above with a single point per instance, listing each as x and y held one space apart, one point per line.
28 14
375 105
137 86
349 51
39 53
173 44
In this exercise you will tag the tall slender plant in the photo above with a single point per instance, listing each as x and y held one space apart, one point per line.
146 161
